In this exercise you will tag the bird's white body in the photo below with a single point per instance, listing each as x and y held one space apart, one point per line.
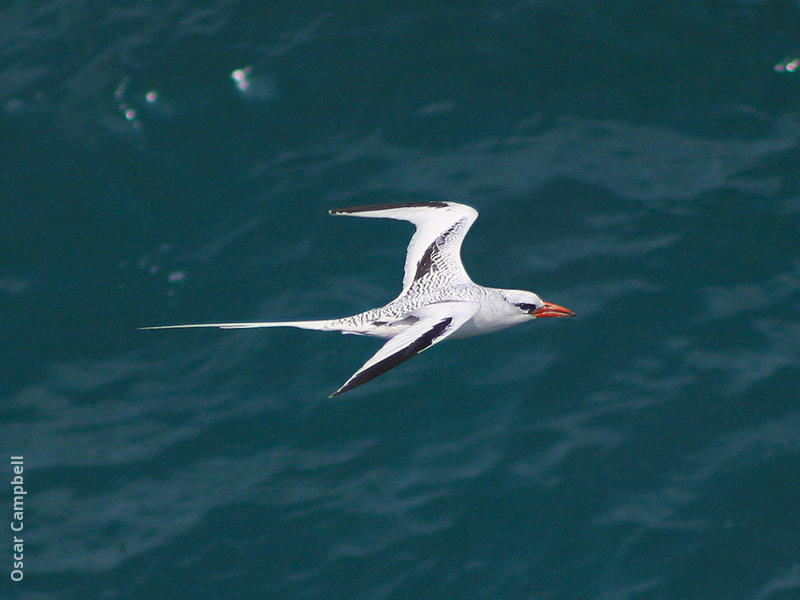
438 299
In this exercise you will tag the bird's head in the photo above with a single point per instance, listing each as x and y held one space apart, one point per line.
530 304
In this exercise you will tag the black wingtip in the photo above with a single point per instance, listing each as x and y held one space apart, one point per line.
375 207
421 343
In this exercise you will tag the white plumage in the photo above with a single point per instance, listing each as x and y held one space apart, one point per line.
438 299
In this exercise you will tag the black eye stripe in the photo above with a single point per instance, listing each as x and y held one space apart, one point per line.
526 307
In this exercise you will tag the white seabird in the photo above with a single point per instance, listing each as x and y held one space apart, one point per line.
438 299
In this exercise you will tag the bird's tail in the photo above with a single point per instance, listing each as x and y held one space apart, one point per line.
323 325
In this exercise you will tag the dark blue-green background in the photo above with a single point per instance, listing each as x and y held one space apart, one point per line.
638 162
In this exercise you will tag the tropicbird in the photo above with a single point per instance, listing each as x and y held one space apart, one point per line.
438 299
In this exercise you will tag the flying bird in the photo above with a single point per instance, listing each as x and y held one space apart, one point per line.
438 300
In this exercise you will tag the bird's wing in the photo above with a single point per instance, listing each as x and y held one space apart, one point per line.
435 247
436 322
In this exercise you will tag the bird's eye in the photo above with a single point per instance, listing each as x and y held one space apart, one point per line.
526 307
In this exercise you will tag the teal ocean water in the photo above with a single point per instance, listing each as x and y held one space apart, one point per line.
174 162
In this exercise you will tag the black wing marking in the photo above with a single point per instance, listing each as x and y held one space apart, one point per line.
433 253
440 228
418 345
377 207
